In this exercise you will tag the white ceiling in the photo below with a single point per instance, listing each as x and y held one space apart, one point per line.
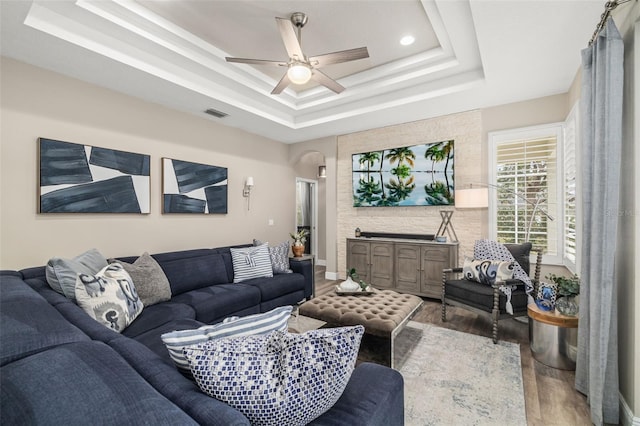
469 54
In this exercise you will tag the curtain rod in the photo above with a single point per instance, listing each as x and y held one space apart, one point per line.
608 8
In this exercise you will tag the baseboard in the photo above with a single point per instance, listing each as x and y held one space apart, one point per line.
626 415
331 275
321 262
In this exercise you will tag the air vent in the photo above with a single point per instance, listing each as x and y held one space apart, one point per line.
216 113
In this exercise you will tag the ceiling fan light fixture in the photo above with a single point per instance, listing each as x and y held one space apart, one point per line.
299 73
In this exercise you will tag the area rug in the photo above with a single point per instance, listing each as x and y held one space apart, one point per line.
454 378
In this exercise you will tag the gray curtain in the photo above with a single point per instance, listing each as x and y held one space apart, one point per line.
601 113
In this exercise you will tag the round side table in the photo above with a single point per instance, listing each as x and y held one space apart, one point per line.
553 338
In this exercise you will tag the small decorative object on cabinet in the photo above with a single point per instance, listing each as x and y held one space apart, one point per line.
299 238
568 289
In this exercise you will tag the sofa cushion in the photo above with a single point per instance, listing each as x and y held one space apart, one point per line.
267 322
156 315
251 262
153 341
214 303
62 273
81 383
191 273
278 378
278 285
151 283
109 297
28 324
381 404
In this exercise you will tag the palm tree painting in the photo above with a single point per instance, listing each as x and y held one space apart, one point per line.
417 175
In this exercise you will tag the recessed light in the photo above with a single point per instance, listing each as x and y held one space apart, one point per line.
407 40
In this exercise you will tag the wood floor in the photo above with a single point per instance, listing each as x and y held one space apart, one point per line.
550 397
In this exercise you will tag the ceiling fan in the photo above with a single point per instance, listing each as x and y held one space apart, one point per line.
300 68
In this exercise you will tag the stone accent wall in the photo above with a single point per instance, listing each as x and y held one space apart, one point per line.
466 131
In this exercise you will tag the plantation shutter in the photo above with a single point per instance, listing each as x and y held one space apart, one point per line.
570 191
527 168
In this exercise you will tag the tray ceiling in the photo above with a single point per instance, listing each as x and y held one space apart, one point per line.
467 55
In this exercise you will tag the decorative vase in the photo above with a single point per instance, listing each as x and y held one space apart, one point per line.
546 296
567 305
349 285
298 250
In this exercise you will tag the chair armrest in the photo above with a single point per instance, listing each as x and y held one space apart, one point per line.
452 271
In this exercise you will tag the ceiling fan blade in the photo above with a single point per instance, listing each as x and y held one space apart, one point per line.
326 81
338 57
288 34
255 61
282 84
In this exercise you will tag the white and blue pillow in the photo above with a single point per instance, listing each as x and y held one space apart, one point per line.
251 262
279 256
176 341
109 297
279 378
487 271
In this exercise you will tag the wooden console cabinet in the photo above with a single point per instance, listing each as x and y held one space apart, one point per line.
406 266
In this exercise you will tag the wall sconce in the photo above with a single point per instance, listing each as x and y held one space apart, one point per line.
322 171
246 191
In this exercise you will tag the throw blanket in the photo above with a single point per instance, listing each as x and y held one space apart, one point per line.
493 250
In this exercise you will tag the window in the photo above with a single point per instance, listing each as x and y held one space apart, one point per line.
526 165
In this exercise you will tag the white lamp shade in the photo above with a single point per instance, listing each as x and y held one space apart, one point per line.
299 74
249 181
474 198
322 171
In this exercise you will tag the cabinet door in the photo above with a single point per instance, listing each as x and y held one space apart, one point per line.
381 265
358 257
434 260
408 267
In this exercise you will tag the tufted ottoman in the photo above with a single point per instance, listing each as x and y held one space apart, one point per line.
383 313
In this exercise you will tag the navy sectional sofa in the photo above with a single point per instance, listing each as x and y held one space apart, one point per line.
59 366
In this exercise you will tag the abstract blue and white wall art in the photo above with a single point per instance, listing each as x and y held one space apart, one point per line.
193 188
418 175
77 178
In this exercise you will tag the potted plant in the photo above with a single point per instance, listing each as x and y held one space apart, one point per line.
299 238
353 276
568 289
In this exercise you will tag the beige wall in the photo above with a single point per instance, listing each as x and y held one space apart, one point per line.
37 103
307 168
326 194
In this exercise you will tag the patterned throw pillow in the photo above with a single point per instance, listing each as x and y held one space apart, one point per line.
251 262
109 297
176 341
151 283
62 273
487 271
279 257
279 378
